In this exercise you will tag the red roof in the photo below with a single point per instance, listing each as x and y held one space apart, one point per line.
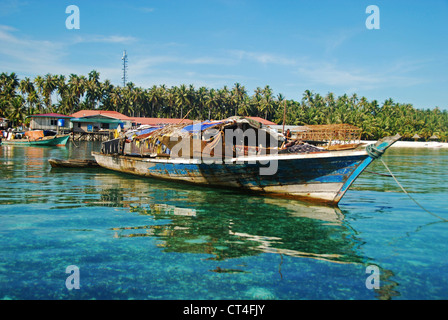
263 121
147 121
157 121
50 115
111 114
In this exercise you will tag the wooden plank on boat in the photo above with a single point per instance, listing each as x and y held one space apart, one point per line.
346 146
73 163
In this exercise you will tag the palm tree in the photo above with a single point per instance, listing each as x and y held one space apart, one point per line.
166 101
16 111
27 89
39 82
308 98
152 99
105 99
48 86
93 89
129 98
182 99
268 101
223 97
116 98
200 100
238 95
211 102
62 90
77 88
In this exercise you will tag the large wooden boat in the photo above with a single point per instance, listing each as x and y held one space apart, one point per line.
318 175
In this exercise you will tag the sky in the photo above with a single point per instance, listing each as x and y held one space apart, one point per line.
292 46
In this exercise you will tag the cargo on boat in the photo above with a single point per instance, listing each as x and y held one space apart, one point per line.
240 153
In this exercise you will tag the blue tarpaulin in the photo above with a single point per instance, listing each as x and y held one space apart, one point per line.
200 126
139 133
145 131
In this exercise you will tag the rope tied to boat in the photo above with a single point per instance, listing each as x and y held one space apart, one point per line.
374 152
392 175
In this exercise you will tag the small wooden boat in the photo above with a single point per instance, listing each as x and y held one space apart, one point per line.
58 141
73 163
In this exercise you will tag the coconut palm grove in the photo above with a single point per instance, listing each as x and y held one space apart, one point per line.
20 98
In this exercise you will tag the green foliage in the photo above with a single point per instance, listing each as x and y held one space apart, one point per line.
52 93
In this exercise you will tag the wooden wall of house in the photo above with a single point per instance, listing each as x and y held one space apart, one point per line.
43 123
84 126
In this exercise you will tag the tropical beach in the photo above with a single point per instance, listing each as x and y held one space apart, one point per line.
217 157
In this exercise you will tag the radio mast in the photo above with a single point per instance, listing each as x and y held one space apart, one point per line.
125 67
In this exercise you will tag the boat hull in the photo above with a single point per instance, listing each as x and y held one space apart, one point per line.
58 141
318 177
322 177
73 163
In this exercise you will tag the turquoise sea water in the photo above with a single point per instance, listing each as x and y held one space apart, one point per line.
136 238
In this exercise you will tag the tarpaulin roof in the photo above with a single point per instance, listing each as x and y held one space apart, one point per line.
201 126
141 132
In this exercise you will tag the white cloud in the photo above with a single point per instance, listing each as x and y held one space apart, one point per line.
105 39
146 9
20 54
10 6
262 57
351 79
31 57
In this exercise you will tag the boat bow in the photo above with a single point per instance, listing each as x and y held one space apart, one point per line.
374 151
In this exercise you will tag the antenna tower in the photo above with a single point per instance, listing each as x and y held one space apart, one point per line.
125 67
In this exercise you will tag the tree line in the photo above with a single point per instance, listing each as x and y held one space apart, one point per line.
57 93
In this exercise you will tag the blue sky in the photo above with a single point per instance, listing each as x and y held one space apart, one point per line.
292 46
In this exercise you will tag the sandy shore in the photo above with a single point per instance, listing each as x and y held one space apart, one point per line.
415 144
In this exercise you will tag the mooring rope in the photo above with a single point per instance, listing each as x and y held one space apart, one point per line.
392 175
73 140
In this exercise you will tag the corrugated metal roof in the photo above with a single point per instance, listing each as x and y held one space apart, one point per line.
50 115
111 114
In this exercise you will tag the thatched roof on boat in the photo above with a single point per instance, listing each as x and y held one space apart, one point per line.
210 133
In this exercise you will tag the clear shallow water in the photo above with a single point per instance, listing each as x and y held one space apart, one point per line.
135 238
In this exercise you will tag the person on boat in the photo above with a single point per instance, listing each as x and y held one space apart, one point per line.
288 134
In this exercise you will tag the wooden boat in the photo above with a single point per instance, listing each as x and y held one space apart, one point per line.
73 163
319 176
58 141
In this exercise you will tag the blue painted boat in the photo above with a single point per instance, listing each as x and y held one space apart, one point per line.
318 174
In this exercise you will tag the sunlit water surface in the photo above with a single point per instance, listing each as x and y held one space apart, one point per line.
136 238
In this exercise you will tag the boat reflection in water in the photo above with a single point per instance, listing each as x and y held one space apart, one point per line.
226 225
